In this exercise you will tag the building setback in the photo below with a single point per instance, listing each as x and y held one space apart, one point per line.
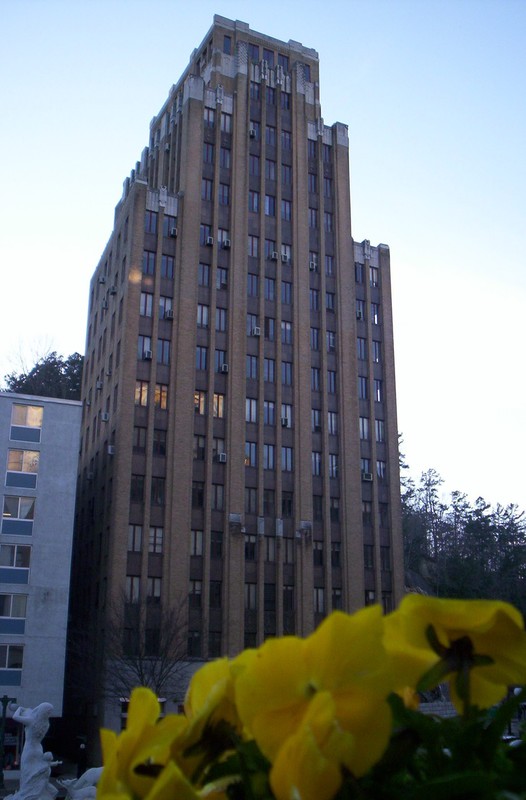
39 443
239 453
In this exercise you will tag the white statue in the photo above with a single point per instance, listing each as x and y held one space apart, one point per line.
85 787
35 765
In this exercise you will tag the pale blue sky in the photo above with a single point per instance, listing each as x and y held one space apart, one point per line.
433 94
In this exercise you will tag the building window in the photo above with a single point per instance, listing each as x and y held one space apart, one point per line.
286 373
332 422
375 313
202 316
330 301
362 387
315 379
217 497
216 545
385 558
158 491
141 393
251 596
165 306
253 51
224 158
219 360
364 428
361 348
270 169
286 292
270 289
269 369
285 101
270 135
381 470
358 272
205 234
253 201
251 500
148 263
196 543
200 401
379 428
15 555
286 415
287 459
198 494
221 318
367 519
331 381
199 447
253 165
333 465
316 420
287 504
208 153
194 644
203 275
254 90
315 338
312 182
286 172
133 584
286 210
144 347
317 554
227 47
270 326
163 351
11 656
251 410
313 217
253 246
161 396
269 502
374 276
270 549
286 333
155 543
150 222
23 461
139 439
319 600
270 205
251 454
201 357
219 405
311 148
250 547
252 285
268 456
377 352
215 594
316 462
314 299
224 194
207 189
269 412
330 341
378 390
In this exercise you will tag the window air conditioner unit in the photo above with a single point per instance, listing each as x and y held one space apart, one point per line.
209 241
102 279
252 133
169 313
113 290
98 386
313 266
256 331
284 259
367 476
105 417
111 449
221 458
147 355
284 422
173 232
226 244
274 256
224 368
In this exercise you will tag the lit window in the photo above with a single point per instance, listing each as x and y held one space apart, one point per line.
219 405
161 396
200 402
23 461
141 393
27 416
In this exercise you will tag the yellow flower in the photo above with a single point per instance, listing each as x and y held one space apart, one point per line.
343 657
145 741
482 641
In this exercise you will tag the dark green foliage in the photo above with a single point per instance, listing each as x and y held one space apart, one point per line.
459 549
52 376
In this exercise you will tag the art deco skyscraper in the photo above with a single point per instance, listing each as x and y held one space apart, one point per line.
239 434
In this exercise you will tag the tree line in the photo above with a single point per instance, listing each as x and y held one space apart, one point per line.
460 548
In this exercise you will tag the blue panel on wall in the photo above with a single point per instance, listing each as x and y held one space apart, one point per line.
14 575
19 527
10 677
8 625
20 433
26 480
